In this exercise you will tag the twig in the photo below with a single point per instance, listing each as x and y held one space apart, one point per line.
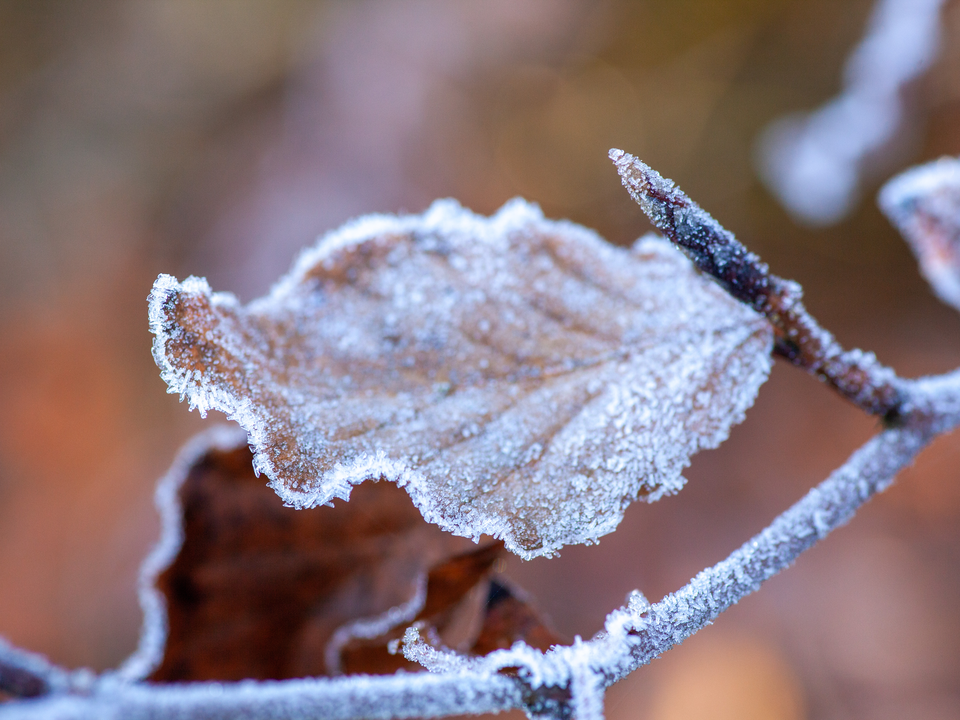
798 337
28 675
828 506
568 680
634 635
403 695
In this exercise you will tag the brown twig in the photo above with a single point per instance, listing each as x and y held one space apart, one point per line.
20 683
857 375
27 675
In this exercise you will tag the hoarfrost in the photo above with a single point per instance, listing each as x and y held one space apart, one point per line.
583 668
519 377
814 162
924 204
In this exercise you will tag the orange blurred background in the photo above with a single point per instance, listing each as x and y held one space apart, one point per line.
216 138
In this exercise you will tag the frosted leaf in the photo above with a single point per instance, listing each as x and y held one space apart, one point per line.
460 607
519 377
241 587
924 204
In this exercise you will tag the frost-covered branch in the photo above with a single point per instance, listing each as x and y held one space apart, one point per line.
857 375
28 675
398 696
566 680
932 406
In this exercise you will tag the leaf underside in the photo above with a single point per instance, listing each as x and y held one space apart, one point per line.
518 377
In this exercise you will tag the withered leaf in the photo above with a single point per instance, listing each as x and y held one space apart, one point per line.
258 590
924 204
252 589
496 616
518 377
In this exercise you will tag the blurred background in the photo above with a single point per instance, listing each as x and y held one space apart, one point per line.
217 137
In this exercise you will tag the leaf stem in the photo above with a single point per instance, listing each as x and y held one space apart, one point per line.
28 675
634 636
798 338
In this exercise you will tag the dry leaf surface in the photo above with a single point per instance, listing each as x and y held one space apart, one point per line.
253 589
518 377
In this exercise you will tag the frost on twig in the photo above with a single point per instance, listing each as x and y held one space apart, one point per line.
815 162
555 682
798 337
924 204
563 681
518 377
28 675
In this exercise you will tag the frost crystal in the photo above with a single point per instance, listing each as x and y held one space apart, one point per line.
519 377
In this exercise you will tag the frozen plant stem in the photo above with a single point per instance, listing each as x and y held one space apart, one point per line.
633 637
27 675
569 681
798 337
826 507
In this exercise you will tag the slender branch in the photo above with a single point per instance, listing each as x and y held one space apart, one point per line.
798 337
825 508
28 675
931 407
404 695
571 680
552 682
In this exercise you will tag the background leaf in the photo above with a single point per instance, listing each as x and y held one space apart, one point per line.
253 589
924 204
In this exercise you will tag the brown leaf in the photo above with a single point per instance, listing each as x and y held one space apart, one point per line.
252 589
924 204
509 617
518 377
257 590
502 617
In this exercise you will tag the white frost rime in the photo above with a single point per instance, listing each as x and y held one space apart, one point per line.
924 204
